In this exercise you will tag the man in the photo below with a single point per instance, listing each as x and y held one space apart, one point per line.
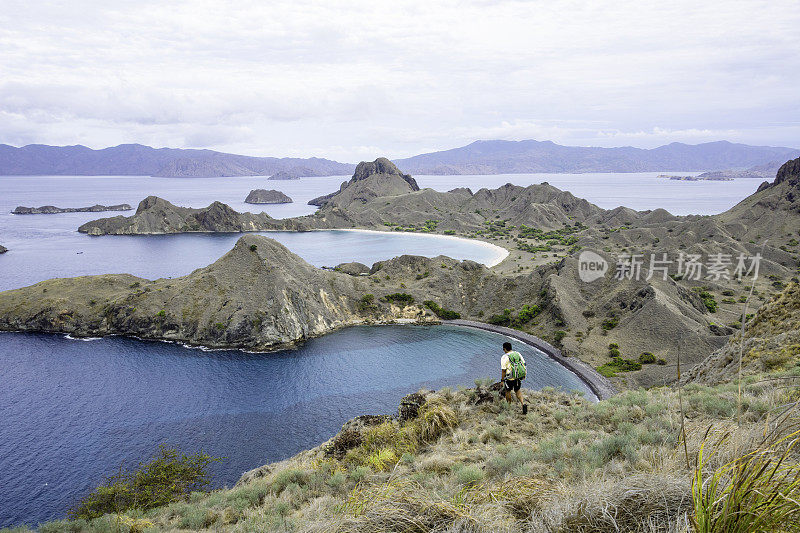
512 372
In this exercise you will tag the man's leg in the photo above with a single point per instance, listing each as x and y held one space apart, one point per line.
509 398
519 396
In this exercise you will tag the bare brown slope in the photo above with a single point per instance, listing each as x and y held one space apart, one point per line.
771 342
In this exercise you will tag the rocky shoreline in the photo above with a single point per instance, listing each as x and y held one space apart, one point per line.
600 386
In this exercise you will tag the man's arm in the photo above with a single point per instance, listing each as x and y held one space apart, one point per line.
503 375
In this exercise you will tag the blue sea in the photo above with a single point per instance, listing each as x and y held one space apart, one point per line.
73 411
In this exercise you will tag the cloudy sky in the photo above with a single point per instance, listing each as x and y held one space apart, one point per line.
354 80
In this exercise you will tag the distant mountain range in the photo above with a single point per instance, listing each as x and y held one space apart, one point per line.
139 160
515 157
480 157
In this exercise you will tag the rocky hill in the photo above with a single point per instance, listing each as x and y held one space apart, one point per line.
263 196
156 216
139 160
370 180
514 157
257 296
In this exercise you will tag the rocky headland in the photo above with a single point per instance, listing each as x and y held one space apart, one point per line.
50 209
263 196
3 249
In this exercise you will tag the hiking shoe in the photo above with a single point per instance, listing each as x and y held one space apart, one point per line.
524 408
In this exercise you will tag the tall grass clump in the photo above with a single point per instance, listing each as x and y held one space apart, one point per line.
758 491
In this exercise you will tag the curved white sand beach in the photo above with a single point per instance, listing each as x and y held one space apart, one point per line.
498 252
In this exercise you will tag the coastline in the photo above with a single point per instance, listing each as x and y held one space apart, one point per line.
500 253
599 385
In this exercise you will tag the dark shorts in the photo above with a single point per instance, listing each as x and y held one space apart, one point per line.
512 385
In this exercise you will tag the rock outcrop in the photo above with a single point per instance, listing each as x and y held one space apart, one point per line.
353 268
370 180
3 249
50 209
789 173
156 215
264 196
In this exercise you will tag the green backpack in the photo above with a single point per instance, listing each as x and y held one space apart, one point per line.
518 370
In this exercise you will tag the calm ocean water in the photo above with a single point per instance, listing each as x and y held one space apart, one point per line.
73 411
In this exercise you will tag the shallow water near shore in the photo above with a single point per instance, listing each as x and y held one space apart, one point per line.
74 411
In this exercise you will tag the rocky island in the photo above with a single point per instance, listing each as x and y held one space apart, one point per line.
3 249
291 174
50 210
694 178
263 196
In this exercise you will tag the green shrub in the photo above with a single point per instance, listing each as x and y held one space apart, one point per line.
168 477
613 345
445 314
367 302
291 476
647 358
400 297
610 323
253 247
614 352
708 299
359 473
618 364
468 475
507 318
559 335
527 313
510 459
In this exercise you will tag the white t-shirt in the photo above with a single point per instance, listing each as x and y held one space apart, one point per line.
505 364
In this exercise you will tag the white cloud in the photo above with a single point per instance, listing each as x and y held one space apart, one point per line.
343 79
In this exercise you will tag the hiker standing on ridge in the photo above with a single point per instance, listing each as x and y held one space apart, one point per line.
512 372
